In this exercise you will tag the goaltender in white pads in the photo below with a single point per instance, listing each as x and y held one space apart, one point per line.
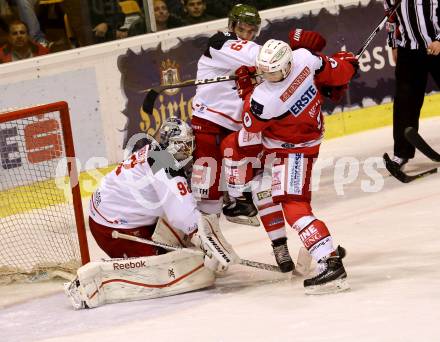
118 280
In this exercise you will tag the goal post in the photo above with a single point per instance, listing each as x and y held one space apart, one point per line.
42 229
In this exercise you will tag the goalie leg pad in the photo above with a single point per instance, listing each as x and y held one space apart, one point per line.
121 280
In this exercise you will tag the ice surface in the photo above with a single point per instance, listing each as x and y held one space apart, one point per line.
393 241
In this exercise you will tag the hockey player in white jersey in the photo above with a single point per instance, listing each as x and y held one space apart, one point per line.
243 151
217 107
285 111
147 196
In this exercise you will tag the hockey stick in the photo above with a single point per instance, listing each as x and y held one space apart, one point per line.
153 93
402 176
415 139
378 28
250 263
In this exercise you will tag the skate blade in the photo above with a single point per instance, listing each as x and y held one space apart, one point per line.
334 286
247 221
303 262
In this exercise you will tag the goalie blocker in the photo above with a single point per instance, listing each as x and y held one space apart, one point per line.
121 280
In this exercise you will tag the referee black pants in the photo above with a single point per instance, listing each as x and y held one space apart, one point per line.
412 69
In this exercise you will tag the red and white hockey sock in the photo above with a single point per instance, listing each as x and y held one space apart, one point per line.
272 217
271 214
315 236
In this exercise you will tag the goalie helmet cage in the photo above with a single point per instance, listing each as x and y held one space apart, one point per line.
42 230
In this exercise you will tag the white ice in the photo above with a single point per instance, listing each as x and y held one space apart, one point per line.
393 241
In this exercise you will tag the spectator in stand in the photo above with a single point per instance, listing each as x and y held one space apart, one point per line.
78 13
165 19
106 18
175 7
20 46
221 8
195 12
133 15
26 12
3 25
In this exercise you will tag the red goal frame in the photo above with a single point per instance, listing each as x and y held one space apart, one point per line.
63 108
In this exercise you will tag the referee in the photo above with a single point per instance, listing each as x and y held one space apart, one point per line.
414 35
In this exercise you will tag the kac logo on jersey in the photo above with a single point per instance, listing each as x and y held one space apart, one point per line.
303 100
247 120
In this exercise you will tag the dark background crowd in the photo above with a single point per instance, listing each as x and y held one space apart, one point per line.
31 28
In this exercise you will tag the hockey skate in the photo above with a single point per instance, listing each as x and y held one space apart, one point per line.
282 255
331 277
242 210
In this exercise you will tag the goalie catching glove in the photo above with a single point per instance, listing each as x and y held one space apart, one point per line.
219 253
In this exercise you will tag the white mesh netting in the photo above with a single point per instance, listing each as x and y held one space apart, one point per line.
38 236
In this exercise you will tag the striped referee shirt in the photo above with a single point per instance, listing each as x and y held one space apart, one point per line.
417 23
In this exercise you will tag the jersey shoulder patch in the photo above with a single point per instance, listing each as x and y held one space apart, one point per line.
256 107
218 40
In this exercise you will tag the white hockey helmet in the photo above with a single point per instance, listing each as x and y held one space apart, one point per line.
177 137
274 59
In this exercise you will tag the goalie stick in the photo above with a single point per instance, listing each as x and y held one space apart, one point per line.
415 139
402 176
303 261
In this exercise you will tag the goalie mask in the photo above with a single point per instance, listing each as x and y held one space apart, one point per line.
177 137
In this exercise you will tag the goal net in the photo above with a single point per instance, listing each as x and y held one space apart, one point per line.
42 233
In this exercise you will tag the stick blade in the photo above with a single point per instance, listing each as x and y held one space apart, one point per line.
303 262
150 98
415 139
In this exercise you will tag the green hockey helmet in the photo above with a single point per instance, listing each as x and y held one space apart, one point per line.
247 14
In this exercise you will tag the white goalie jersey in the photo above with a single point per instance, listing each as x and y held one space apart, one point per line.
142 189
219 102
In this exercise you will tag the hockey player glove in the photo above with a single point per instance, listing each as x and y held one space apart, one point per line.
309 40
246 80
348 57
335 93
